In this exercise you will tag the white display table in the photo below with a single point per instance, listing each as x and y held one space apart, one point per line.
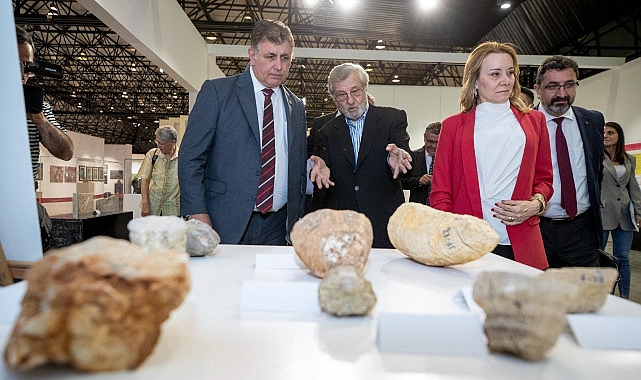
210 337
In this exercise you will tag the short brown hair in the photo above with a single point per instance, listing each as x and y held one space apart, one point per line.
273 31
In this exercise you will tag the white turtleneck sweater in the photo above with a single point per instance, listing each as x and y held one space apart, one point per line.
499 142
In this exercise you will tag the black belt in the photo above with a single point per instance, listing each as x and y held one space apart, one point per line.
563 220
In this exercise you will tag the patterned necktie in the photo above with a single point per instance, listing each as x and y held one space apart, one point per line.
265 195
568 191
429 185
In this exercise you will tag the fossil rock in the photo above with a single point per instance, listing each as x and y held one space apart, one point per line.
201 239
162 232
524 316
328 238
96 305
439 238
594 284
344 292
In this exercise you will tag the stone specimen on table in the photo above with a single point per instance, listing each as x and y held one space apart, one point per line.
524 316
344 292
96 306
439 238
158 232
594 284
328 238
201 239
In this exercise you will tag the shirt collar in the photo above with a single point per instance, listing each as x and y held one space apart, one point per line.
258 87
569 114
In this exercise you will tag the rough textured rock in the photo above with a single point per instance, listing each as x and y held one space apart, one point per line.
594 284
439 238
344 292
201 239
158 232
327 238
97 306
524 316
162 232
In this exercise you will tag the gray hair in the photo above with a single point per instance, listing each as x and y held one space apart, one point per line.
166 133
341 72
433 127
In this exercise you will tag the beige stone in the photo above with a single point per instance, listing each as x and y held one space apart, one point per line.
96 306
439 238
328 238
594 285
344 292
524 316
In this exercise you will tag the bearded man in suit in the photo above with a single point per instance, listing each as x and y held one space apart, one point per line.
571 227
366 148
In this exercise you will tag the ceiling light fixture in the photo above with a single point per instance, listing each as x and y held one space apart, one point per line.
427 4
369 68
380 45
211 37
247 17
396 80
504 4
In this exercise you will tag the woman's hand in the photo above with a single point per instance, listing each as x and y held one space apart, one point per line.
512 213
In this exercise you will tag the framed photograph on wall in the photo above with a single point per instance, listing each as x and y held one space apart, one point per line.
100 173
56 173
39 171
70 174
81 173
89 175
96 177
116 174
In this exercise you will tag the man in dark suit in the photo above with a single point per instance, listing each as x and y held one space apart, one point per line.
318 196
571 225
242 160
366 148
419 183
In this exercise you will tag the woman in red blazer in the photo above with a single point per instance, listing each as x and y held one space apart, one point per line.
494 157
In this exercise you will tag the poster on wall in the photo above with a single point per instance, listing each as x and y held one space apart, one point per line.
106 179
39 171
81 173
100 173
96 175
116 174
70 174
56 173
89 175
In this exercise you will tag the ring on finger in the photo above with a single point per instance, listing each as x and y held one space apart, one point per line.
511 219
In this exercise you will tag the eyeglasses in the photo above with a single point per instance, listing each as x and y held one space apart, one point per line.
344 95
554 87
431 142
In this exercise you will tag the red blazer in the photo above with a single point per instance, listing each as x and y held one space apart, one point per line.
455 185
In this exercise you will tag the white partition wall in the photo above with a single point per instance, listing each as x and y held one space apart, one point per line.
19 232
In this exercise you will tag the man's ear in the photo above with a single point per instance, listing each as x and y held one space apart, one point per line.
252 56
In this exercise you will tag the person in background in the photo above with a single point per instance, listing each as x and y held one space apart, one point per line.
620 199
43 127
494 157
159 175
571 226
365 149
419 183
243 159
527 96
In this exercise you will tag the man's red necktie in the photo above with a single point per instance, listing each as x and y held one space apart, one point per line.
265 196
568 191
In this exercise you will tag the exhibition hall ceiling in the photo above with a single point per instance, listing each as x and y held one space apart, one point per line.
112 91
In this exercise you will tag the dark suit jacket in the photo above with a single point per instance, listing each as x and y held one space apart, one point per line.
319 198
367 187
219 161
591 127
418 193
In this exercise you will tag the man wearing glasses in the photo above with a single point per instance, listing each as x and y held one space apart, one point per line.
365 148
420 182
571 225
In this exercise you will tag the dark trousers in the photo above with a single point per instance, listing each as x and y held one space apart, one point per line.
266 229
504 251
570 243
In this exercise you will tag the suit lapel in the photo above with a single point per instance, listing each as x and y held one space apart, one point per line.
245 94
524 177
470 171
344 139
586 138
609 167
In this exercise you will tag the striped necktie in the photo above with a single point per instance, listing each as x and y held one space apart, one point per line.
265 195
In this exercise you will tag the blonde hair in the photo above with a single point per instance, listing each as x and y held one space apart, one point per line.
469 97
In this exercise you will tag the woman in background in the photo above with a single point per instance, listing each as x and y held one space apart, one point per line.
620 200
494 157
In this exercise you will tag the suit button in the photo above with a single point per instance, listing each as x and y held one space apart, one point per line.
618 199
356 188
618 185
257 172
